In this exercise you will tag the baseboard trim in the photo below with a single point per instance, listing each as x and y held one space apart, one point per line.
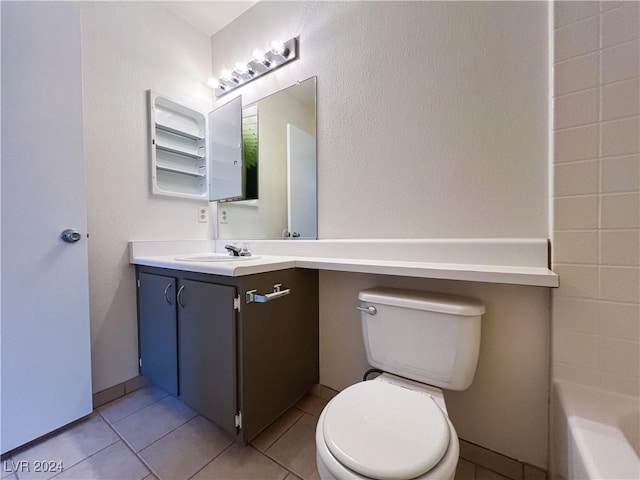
120 390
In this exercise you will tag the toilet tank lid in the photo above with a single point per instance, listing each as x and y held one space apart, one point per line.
428 301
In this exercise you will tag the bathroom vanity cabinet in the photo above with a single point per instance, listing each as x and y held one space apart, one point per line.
239 364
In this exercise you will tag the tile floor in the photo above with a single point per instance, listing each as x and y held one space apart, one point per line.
148 434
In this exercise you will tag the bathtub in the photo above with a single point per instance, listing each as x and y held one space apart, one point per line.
595 434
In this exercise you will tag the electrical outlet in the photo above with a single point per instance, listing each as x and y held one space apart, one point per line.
203 214
223 216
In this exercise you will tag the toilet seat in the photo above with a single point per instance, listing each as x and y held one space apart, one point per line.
384 431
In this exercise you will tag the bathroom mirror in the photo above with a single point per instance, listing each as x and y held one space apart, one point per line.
285 146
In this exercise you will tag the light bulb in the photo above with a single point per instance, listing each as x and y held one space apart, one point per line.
241 69
212 82
226 75
277 47
258 55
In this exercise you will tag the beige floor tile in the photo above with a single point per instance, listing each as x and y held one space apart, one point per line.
465 470
506 466
241 462
274 431
145 426
135 401
7 470
312 405
115 462
292 476
69 446
296 449
323 392
186 450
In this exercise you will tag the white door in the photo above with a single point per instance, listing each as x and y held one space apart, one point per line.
46 361
301 183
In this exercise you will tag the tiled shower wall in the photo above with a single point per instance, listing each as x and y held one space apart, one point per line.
596 200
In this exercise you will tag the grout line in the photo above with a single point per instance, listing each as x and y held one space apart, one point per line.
575 57
604 122
275 460
576 92
78 463
153 472
622 192
577 195
581 20
623 44
626 117
618 302
575 127
596 194
285 431
288 469
576 161
621 156
607 265
218 455
555 64
615 82
135 411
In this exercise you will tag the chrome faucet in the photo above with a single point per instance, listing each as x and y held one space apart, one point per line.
238 252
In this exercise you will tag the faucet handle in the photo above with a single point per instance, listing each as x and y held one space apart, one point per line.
233 250
245 250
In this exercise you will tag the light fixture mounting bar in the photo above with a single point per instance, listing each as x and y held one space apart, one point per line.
272 60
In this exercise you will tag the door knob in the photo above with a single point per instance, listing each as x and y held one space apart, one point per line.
70 235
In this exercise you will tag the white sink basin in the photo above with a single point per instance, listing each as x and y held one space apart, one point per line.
215 257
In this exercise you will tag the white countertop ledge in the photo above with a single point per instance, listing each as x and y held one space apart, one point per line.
156 254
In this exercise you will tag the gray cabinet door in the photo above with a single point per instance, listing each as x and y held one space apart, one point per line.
207 358
158 330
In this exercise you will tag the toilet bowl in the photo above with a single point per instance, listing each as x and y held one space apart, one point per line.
396 426
386 428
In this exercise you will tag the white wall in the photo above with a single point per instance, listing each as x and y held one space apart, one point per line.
128 48
432 115
596 196
432 122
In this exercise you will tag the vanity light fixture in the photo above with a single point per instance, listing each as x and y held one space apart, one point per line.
279 54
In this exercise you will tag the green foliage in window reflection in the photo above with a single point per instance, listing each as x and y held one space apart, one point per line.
250 140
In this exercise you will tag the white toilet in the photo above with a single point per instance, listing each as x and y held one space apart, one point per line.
396 427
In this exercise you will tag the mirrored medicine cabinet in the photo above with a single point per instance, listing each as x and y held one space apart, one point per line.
287 188
258 161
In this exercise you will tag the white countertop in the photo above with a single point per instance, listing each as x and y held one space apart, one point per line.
266 263
154 254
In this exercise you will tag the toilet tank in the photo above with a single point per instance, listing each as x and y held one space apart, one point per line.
428 337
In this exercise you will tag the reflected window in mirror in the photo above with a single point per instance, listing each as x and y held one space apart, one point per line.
250 150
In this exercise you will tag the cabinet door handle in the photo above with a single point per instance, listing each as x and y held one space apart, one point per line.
179 296
166 294
251 296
